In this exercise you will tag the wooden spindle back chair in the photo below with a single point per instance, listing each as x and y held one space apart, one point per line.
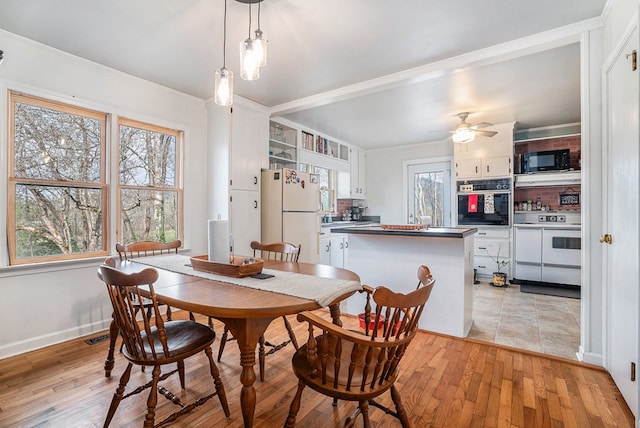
128 252
275 251
360 366
150 341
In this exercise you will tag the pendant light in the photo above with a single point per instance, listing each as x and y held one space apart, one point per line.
260 42
224 77
249 56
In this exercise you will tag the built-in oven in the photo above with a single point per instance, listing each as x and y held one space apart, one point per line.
484 202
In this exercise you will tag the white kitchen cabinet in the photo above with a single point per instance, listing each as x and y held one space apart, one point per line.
499 166
488 243
339 250
468 168
248 148
325 249
357 171
496 167
283 146
244 206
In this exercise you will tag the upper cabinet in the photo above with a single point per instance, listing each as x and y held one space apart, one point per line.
249 133
498 166
283 146
486 157
358 173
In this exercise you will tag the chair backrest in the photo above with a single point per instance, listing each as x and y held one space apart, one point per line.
147 248
277 251
373 360
143 336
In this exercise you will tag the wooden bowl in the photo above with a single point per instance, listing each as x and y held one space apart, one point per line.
237 269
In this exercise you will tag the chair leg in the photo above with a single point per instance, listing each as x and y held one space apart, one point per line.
181 373
169 313
152 401
400 410
191 316
261 355
217 381
295 407
364 409
223 341
117 396
292 336
113 337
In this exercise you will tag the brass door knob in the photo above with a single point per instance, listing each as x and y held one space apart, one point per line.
606 238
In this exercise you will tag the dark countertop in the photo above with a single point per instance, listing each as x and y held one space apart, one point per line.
432 232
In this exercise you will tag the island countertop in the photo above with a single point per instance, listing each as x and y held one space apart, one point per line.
432 232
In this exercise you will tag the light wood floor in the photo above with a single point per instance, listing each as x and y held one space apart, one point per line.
445 382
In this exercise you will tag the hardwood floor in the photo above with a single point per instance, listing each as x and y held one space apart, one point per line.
445 382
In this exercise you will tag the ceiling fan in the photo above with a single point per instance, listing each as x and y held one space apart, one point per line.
466 133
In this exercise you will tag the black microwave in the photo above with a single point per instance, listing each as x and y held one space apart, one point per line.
550 160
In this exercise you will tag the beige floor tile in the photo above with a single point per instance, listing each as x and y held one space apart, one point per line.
529 321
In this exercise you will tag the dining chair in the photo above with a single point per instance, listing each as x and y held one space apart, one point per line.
128 252
150 341
360 366
275 251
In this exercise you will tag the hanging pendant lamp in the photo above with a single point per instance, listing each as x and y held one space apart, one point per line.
224 78
249 57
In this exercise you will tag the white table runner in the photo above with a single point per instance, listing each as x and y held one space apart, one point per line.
322 290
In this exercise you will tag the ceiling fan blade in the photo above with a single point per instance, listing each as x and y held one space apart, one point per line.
486 133
481 125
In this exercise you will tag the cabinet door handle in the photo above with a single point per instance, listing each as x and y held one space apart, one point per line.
482 233
341 245
482 248
346 245
255 180
482 267
476 169
255 204
326 248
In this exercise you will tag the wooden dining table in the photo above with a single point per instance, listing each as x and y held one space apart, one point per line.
247 312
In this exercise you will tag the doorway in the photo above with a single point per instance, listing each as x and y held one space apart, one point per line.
429 192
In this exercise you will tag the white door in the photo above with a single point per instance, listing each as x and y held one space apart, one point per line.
621 220
429 192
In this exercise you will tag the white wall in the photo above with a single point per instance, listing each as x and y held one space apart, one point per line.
48 304
385 177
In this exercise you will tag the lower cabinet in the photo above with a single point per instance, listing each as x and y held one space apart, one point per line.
333 249
244 215
325 249
339 250
491 245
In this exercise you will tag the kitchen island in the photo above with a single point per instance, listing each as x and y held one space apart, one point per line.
391 257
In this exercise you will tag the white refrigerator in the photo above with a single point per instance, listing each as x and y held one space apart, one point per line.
290 211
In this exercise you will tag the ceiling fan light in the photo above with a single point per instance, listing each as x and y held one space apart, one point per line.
260 45
224 87
464 135
249 60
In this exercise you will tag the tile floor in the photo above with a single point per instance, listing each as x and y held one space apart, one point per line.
535 322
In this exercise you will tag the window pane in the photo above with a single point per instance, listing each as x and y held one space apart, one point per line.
56 145
429 196
147 158
54 220
148 215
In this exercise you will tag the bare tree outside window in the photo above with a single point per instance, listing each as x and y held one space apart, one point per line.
57 185
149 193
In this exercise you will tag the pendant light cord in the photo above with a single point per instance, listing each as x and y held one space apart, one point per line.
224 38
259 14
249 20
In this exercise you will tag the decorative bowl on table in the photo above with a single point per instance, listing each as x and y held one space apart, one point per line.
404 226
242 266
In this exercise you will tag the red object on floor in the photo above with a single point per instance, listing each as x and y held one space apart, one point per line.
473 204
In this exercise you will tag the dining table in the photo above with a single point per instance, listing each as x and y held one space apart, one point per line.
247 310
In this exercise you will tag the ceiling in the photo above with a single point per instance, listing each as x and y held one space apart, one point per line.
374 73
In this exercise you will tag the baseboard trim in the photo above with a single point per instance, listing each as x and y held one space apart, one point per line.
34 343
